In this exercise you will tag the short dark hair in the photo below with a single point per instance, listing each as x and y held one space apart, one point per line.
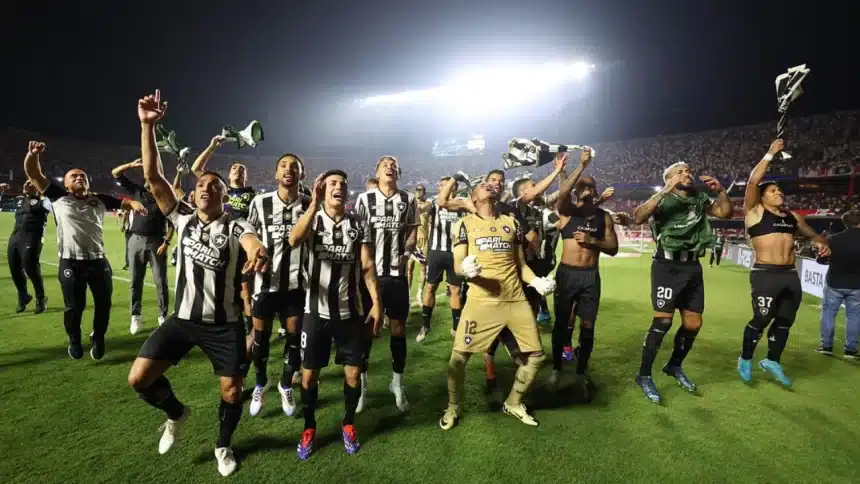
216 175
421 187
296 157
335 172
515 189
763 185
851 218
495 172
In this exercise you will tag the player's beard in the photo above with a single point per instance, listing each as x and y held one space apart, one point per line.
690 189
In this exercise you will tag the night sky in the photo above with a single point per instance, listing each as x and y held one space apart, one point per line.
77 68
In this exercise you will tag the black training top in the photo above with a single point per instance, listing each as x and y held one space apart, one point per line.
591 220
771 223
31 216
844 272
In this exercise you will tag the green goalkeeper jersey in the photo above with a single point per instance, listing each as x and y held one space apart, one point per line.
681 224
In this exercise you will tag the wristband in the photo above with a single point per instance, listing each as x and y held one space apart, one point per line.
767 157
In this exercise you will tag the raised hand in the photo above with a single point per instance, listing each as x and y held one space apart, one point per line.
36 147
607 194
318 191
138 163
777 146
4 187
216 141
585 156
712 183
823 248
560 162
150 109
673 182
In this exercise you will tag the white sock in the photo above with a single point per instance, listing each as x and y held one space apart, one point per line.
396 378
364 381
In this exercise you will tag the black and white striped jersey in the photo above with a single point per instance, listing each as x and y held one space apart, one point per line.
208 276
273 219
389 220
551 235
333 267
441 220
80 222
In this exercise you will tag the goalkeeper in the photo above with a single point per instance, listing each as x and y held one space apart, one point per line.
488 252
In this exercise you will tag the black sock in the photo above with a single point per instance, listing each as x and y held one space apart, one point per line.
426 315
752 335
309 404
260 355
160 395
777 338
586 345
350 400
544 307
494 346
684 340
455 317
229 415
365 356
292 360
559 331
398 353
653 340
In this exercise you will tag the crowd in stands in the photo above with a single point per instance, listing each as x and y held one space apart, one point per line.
817 143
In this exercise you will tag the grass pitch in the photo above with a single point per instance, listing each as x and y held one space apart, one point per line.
66 421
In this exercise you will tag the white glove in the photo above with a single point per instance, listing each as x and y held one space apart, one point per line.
543 285
470 267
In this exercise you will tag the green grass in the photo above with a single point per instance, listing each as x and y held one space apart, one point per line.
66 421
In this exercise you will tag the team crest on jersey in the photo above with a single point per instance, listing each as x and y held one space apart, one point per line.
492 229
93 202
661 303
467 340
506 229
67 273
401 206
763 311
219 240
352 234
34 202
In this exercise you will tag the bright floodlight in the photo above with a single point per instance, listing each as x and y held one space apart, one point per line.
657 189
485 87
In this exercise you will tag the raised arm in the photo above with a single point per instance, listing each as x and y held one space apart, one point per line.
150 110
118 171
302 229
528 195
643 212
445 201
752 197
722 207
32 167
567 187
199 165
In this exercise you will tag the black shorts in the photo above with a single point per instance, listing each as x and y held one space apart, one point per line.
677 285
441 262
577 291
776 291
223 344
394 292
317 335
286 304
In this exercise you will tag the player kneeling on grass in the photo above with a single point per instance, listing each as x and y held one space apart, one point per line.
206 314
488 252
339 254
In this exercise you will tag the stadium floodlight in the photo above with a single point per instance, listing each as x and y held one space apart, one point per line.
59 179
657 189
490 86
